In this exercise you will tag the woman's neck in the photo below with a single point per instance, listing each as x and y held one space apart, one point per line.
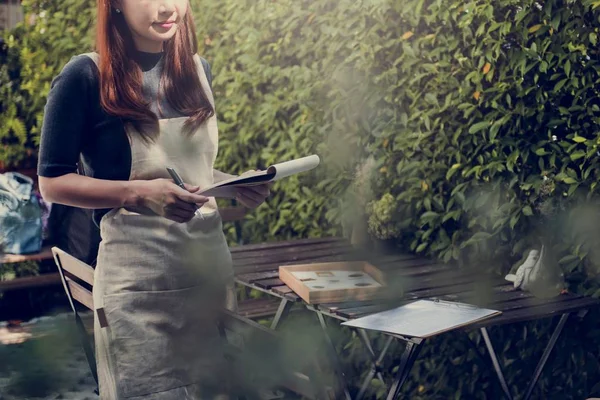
147 46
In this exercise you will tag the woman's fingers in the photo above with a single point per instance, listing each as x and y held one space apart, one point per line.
179 215
259 191
253 196
191 188
184 206
262 190
250 195
188 197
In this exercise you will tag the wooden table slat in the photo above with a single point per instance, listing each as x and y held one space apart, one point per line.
422 270
351 313
282 290
269 283
44 254
443 280
266 254
352 309
540 312
450 289
242 270
508 306
286 292
31 282
306 257
384 259
287 243
404 264
257 276
528 302
334 307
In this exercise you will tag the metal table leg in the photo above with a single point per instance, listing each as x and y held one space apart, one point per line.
375 362
546 354
413 347
284 308
487 363
495 362
334 357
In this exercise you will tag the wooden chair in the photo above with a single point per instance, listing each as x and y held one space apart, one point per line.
72 270
78 280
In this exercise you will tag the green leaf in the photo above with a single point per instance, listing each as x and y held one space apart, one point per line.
572 189
577 155
527 211
513 221
453 169
579 139
431 99
534 28
429 215
481 236
494 131
478 127
568 259
559 85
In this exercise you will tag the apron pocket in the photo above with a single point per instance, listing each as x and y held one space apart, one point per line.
162 340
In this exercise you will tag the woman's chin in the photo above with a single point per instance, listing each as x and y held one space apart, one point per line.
163 34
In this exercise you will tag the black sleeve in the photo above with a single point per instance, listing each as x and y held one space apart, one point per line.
207 71
66 117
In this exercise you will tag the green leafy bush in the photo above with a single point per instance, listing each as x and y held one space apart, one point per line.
493 119
480 118
37 50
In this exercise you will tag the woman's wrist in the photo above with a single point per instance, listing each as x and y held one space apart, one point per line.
131 195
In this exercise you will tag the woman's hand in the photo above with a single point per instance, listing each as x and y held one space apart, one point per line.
253 196
168 200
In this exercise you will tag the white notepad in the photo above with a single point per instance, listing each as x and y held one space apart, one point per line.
227 188
423 318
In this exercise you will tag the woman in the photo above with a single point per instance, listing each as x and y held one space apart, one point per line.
142 103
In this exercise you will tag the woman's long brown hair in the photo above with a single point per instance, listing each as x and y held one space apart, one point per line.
121 78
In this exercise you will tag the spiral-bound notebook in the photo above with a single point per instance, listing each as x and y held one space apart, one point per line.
423 318
227 188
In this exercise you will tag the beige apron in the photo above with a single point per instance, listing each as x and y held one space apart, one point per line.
160 283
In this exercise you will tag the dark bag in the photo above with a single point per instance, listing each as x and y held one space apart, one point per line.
73 230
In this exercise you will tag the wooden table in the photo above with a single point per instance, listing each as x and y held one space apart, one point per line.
256 266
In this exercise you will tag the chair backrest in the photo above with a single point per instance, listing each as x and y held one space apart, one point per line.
71 269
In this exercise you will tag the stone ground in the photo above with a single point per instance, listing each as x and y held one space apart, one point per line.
42 359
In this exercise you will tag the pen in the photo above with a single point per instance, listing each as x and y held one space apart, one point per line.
179 182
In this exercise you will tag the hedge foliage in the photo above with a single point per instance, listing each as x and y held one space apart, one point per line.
35 52
464 130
